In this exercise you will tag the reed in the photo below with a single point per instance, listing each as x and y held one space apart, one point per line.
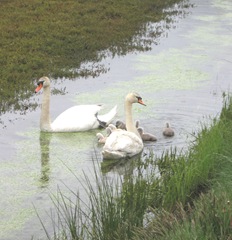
111 210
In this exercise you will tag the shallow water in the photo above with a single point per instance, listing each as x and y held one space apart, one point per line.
182 80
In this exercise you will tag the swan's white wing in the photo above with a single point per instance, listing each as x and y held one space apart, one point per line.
121 144
108 117
77 118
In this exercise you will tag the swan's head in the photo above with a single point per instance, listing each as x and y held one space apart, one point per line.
43 82
137 123
140 130
99 136
108 131
112 127
134 98
120 124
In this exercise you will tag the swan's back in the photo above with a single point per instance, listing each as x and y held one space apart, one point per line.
77 118
122 144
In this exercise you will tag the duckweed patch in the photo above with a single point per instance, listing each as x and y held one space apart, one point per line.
15 223
14 198
171 70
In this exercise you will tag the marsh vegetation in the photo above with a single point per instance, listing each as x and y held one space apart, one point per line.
55 38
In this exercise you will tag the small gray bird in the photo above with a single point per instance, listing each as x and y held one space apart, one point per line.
146 136
168 131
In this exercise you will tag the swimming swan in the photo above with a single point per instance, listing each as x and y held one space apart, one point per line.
121 143
168 131
146 136
74 119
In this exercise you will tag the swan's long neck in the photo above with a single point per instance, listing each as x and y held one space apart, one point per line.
45 121
130 126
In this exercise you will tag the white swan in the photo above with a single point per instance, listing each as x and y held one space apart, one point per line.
121 143
146 136
74 119
168 131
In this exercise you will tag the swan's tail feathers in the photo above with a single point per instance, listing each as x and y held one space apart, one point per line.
108 117
101 123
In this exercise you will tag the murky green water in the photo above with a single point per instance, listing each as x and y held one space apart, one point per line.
181 80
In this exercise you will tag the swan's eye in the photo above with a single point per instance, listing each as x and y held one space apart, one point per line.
40 82
141 101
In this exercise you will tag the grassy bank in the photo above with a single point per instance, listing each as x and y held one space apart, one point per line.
200 187
189 199
55 37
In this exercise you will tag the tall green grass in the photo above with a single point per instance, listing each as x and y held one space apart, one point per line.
186 175
205 213
111 210
189 199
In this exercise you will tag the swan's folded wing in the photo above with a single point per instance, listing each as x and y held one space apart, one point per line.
122 143
77 118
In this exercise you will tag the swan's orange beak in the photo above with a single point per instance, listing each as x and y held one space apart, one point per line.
140 101
40 85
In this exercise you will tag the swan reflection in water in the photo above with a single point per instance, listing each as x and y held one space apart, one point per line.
44 140
79 146
123 167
